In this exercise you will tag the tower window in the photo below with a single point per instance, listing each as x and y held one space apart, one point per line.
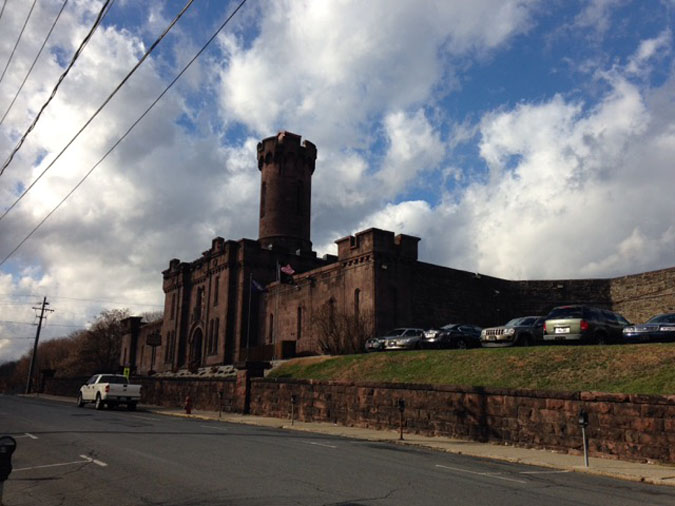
263 194
357 297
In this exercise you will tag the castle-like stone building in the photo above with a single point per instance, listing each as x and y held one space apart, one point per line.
273 297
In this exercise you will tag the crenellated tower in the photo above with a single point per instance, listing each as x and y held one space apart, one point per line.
286 167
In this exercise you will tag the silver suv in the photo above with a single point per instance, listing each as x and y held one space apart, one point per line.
583 324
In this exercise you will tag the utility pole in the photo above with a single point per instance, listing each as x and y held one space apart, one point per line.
35 346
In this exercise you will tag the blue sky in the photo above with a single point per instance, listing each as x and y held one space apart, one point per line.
522 139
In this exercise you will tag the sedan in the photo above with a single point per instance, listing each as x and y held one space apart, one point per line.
453 335
658 328
403 339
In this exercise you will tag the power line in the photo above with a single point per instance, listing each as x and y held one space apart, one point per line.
108 301
3 8
11 55
105 102
133 125
48 324
104 10
34 62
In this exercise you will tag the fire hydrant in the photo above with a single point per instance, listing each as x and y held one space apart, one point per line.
188 405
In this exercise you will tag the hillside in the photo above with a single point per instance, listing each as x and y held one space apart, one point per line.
642 368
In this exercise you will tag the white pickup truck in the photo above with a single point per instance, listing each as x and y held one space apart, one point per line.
109 390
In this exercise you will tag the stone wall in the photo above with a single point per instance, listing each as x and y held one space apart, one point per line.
204 392
630 427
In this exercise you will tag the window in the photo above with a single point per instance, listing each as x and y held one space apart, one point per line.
209 342
357 297
215 336
263 195
299 324
270 330
173 305
216 290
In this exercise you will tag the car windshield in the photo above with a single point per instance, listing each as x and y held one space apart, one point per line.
565 312
395 332
449 326
513 323
662 318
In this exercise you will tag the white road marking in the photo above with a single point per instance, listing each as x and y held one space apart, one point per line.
143 417
214 427
545 472
94 461
318 444
490 475
87 460
26 434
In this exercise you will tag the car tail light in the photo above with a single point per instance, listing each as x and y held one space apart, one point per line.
583 325
544 326
107 388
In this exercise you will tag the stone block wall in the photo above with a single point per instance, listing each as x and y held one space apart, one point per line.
630 427
204 392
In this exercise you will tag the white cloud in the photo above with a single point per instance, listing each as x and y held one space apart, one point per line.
414 147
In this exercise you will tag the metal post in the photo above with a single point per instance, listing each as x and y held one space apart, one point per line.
583 423
401 409
2 485
293 401
583 434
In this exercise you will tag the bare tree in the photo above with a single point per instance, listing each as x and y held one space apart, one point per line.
342 333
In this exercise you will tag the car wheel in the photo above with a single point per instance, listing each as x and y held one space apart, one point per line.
524 340
131 406
99 402
461 344
601 338
80 401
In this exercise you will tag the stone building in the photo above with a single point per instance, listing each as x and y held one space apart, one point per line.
235 302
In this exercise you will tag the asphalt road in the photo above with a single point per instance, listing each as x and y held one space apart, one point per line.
69 456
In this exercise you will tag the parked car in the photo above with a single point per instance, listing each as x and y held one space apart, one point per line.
586 324
109 390
453 335
658 328
522 331
403 339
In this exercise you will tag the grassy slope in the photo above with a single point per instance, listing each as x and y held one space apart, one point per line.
643 368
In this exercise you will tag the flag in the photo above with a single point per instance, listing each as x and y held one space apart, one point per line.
257 286
286 274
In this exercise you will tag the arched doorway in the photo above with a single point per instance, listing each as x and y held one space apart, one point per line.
196 349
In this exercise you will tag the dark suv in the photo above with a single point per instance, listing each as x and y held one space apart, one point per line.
584 324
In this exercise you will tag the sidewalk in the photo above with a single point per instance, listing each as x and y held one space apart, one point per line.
632 471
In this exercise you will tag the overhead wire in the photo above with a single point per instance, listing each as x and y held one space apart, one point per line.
3 8
100 108
30 70
133 125
11 55
104 10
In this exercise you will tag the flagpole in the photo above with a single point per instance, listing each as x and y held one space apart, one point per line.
248 325
276 312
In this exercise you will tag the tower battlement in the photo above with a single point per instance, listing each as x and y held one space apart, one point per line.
285 149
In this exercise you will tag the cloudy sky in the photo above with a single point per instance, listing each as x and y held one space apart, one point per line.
522 139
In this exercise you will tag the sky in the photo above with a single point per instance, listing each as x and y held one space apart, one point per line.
520 139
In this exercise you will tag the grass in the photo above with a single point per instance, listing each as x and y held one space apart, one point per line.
641 368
